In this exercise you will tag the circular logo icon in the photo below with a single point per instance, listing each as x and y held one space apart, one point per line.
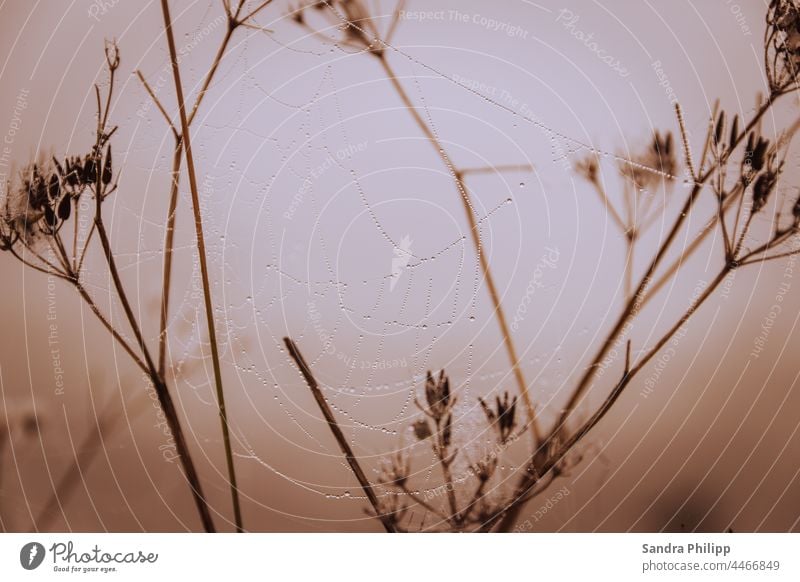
31 555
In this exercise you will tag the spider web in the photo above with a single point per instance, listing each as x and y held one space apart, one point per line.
376 284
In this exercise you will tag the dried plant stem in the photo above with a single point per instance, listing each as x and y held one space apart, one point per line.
509 518
176 169
707 229
169 242
114 333
476 239
632 308
445 460
198 221
160 386
427 506
350 457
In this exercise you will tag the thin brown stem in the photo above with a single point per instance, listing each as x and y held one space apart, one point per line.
169 242
507 518
428 507
633 306
114 333
601 193
476 239
442 452
529 479
159 105
201 249
689 251
160 386
350 457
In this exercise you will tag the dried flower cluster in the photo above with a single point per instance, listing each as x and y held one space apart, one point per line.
782 45
446 507
743 169
346 23
47 193
656 163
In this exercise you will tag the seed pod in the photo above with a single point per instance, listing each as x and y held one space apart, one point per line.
107 172
72 174
64 208
42 190
50 216
720 128
759 154
58 167
54 188
762 189
89 170
748 150
734 131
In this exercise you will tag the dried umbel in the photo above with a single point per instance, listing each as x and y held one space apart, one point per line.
502 418
33 206
655 164
782 45
43 197
437 397
352 18
588 167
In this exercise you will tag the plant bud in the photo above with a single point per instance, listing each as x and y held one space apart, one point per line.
720 128
54 188
734 131
64 208
762 189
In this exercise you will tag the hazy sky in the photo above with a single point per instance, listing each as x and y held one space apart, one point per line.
330 218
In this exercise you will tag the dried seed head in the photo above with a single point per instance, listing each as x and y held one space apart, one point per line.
588 168
782 50
656 164
437 396
759 154
89 169
352 17
112 55
734 132
720 129
485 468
503 417
763 187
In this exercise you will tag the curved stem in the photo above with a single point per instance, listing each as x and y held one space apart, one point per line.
476 239
201 249
169 242
349 456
